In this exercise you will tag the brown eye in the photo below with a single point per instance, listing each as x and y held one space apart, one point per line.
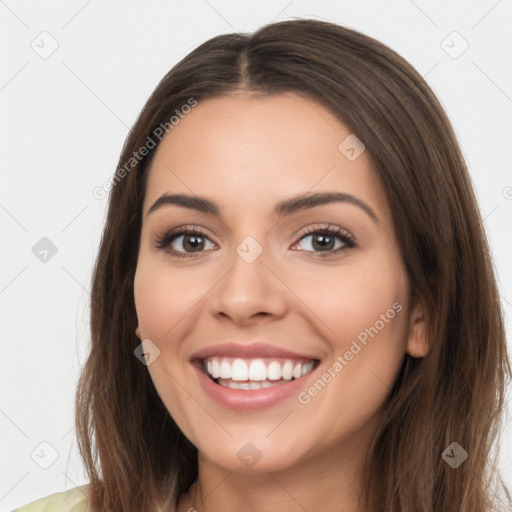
183 243
327 240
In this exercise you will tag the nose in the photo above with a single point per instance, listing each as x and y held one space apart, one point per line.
248 292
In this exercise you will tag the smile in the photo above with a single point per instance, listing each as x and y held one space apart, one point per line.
255 373
250 377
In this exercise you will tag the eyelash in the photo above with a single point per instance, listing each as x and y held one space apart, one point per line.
163 241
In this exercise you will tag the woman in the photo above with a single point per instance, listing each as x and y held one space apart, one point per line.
293 305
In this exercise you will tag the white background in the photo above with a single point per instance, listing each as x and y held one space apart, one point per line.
64 119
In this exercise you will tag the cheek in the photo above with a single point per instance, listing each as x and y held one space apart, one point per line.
354 298
363 317
164 301
163 298
366 331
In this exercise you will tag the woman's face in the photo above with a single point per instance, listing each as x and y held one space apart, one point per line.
265 293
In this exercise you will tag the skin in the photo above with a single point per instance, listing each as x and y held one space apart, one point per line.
246 153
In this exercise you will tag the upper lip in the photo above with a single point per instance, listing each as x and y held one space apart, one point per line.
245 351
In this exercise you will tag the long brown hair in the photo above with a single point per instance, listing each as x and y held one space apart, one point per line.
135 454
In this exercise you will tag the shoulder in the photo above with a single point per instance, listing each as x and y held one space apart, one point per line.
73 500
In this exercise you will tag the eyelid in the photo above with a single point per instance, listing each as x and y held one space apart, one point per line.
164 238
327 227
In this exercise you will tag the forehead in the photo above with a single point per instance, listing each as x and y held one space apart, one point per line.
257 149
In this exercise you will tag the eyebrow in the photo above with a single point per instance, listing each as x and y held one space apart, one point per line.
281 209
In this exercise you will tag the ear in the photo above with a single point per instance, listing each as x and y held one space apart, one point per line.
137 332
417 343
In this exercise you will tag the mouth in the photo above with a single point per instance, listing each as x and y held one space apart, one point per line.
254 373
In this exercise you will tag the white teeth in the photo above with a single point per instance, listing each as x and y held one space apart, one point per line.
239 370
248 385
288 370
225 370
256 370
215 372
274 371
307 368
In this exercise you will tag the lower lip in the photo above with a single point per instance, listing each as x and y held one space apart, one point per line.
251 399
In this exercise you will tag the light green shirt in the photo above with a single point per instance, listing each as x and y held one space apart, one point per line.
73 500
